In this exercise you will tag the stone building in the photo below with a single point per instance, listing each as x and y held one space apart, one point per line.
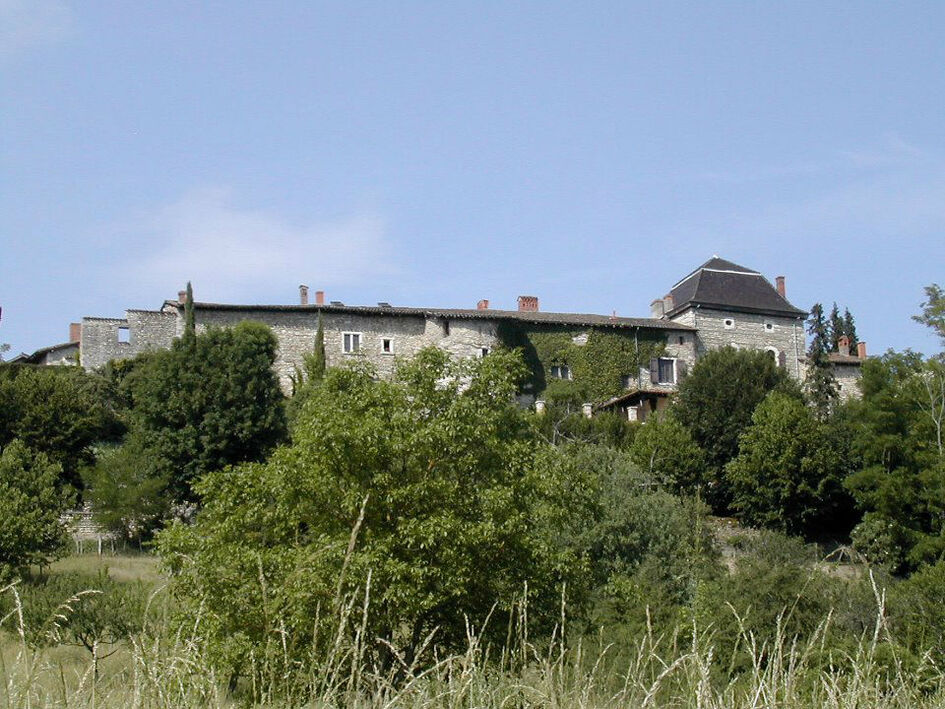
719 303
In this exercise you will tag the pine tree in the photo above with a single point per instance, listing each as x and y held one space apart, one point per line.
849 329
836 328
819 384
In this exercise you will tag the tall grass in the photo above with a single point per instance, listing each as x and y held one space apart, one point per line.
168 665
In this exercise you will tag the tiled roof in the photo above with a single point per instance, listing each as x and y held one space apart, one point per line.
727 286
532 317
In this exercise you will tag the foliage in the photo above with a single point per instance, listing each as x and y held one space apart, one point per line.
601 364
564 421
820 385
127 492
87 610
901 484
31 503
666 452
715 403
933 310
206 404
789 471
418 492
60 411
190 323
841 326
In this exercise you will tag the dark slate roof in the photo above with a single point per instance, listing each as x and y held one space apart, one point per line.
532 317
727 286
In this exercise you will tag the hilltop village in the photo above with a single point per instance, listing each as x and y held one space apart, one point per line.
717 304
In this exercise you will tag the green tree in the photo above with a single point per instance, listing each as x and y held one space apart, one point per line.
835 328
203 405
901 484
31 502
664 450
190 323
715 403
933 310
59 411
820 385
849 329
435 471
789 472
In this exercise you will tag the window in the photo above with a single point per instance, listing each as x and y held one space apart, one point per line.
124 334
561 371
351 342
446 328
682 340
667 371
387 345
769 327
729 323
483 351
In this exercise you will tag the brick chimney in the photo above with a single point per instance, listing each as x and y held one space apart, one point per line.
843 345
657 309
303 295
861 350
482 304
319 297
75 331
528 303
779 284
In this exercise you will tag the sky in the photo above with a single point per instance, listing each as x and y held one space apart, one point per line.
433 154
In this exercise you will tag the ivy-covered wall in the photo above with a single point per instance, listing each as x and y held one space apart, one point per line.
598 366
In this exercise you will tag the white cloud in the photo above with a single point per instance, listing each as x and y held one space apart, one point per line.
230 253
25 24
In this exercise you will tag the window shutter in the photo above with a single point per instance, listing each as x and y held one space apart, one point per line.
682 369
655 370
782 360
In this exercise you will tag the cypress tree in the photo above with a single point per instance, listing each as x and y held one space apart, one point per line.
317 367
190 326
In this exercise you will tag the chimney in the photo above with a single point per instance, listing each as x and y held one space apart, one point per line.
181 296
843 345
587 410
779 284
657 310
482 304
75 331
861 350
528 303
668 302
303 295
319 297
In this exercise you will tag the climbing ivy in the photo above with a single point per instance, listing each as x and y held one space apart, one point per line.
598 366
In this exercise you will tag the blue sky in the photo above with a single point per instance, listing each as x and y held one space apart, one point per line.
428 153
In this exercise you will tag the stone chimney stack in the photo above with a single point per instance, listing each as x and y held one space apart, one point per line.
319 297
843 345
861 350
482 304
668 303
303 295
181 296
657 310
528 303
75 331
779 284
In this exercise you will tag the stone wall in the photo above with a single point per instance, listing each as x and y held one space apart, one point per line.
145 330
748 331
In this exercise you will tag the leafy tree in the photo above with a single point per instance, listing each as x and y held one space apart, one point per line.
206 404
60 411
31 503
715 403
128 494
664 450
901 484
425 488
933 310
820 385
789 472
